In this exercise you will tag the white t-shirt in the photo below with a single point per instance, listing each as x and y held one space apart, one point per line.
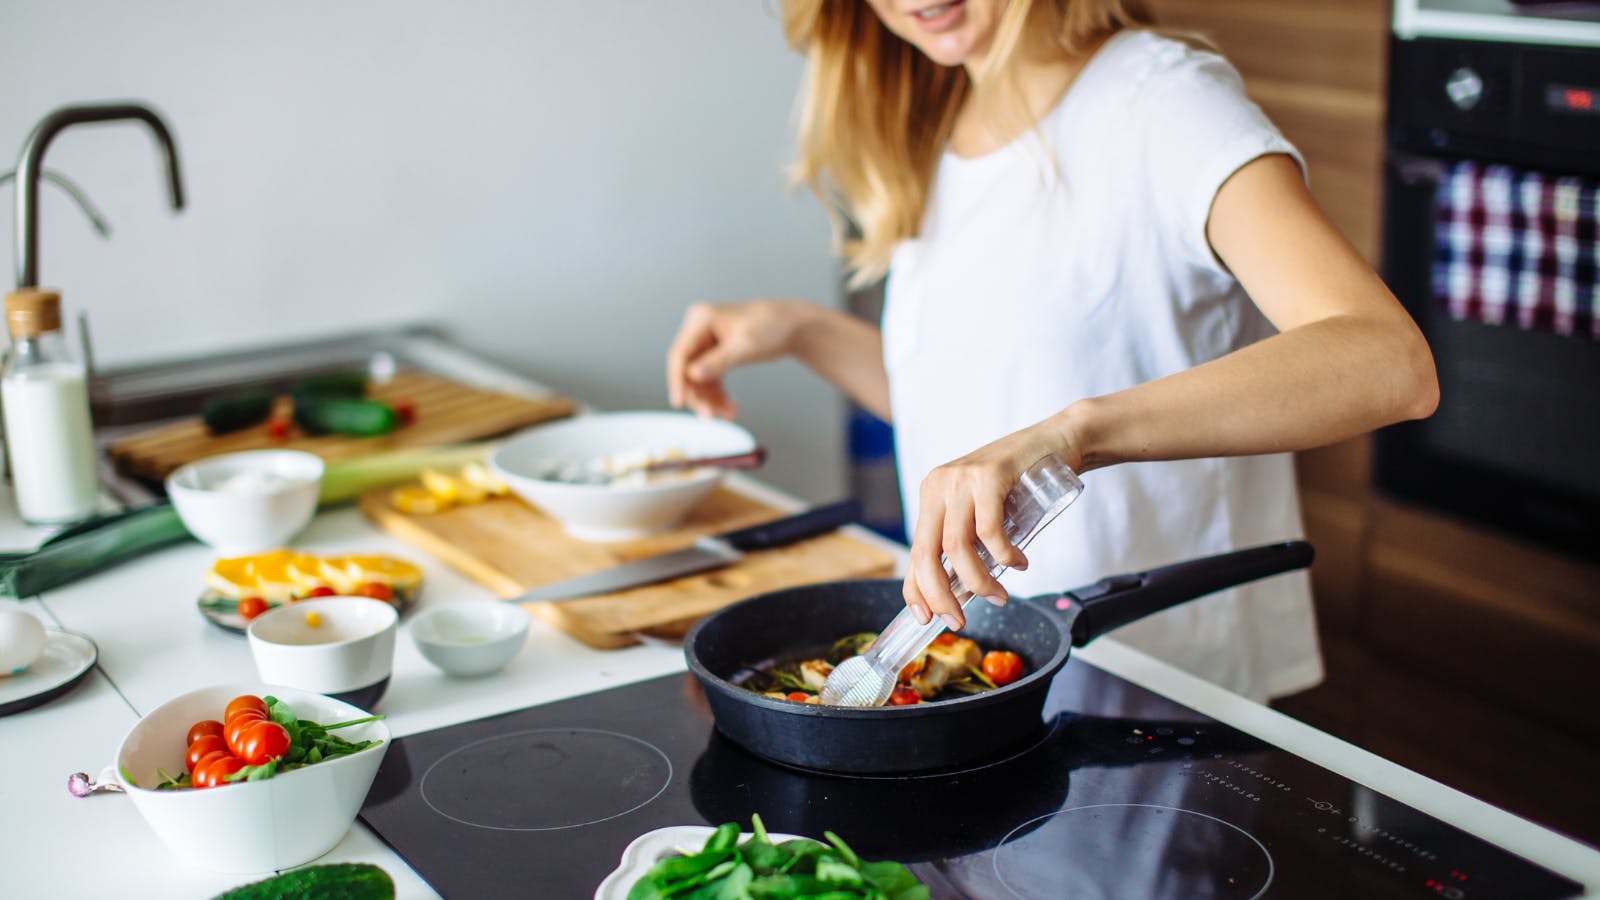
1050 272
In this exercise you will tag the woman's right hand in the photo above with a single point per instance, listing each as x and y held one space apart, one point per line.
716 338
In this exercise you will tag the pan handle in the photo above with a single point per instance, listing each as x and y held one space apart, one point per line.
1120 599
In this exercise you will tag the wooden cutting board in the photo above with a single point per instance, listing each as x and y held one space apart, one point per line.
448 412
512 548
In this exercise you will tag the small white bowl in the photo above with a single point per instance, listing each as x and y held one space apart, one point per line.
256 826
339 646
249 501
471 639
620 510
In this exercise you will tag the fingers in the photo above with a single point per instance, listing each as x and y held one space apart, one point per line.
990 519
696 361
960 548
694 337
962 508
925 578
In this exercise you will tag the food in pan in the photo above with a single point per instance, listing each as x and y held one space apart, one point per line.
952 666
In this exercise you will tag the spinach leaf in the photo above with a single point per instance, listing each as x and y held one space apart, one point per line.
894 880
798 869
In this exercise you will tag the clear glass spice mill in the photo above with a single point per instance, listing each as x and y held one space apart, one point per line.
1044 490
44 393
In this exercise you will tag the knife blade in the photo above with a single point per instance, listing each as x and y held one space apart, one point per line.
705 554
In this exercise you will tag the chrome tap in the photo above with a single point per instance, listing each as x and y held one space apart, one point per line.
30 167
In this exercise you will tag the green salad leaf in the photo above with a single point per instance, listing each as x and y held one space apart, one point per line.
758 869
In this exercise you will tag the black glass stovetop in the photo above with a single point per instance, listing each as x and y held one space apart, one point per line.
1122 793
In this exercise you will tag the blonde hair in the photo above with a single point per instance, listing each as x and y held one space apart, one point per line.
876 113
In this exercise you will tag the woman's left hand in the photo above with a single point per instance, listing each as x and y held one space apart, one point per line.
963 502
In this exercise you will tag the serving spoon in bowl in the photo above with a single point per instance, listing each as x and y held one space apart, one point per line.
602 471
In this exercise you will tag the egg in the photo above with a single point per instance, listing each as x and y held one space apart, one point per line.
21 640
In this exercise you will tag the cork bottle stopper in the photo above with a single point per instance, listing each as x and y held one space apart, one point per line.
31 312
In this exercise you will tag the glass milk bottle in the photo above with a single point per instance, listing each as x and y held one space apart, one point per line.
45 395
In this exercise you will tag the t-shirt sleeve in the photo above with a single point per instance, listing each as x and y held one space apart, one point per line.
1199 128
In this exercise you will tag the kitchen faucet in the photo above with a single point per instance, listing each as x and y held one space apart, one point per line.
30 167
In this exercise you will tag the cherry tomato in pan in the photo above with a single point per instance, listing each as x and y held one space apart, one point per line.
377 590
200 729
321 590
799 696
945 639
904 696
206 743
244 702
262 743
1002 666
250 607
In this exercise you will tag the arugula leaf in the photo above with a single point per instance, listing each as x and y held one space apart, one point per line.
168 782
255 773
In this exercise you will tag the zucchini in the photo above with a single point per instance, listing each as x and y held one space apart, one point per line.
333 881
332 384
237 410
344 415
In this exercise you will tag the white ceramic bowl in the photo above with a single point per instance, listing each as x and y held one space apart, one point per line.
339 646
249 501
617 511
257 826
471 639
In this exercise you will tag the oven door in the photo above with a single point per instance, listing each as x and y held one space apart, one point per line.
1515 443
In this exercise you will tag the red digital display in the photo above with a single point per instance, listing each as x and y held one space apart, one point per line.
1569 99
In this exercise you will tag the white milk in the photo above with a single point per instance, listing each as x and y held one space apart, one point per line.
51 442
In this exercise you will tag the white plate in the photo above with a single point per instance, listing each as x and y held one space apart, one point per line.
67 657
653 846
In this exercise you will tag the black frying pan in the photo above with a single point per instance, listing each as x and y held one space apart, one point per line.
946 733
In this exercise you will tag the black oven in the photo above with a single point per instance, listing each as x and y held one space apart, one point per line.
1515 444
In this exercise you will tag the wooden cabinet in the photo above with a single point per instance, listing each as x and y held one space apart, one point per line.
1454 650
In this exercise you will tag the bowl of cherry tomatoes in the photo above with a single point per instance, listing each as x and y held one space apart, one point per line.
251 777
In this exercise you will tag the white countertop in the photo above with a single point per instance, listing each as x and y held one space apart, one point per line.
154 645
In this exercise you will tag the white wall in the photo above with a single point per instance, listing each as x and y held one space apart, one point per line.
552 182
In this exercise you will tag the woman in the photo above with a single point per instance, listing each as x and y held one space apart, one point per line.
1096 246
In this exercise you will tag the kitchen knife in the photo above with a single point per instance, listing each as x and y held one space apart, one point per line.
707 553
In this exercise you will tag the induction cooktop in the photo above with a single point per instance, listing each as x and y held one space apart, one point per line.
1120 793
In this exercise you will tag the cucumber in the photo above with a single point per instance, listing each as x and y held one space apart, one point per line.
233 411
335 881
332 384
344 415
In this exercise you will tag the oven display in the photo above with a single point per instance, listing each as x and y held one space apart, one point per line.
1564 98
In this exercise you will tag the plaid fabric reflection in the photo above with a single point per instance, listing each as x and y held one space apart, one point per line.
1520 248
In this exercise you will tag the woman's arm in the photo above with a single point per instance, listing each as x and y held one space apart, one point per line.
714 339
1348 359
